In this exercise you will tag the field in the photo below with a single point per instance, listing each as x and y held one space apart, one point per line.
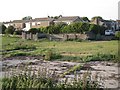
64 58
65 48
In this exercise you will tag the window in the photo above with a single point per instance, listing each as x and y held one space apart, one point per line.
38 23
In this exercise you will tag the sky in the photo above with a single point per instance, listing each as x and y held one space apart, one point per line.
17 9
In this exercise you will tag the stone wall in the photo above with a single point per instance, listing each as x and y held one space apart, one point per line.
64 37
29 36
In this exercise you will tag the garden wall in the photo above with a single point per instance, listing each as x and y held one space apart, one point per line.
64 37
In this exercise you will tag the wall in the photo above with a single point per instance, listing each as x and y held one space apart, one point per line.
64 37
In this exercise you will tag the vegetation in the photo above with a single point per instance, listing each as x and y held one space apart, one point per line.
41 79
3 29
33 30
86 19
53 50
68 50
27 18
10 30
78 27
117 34
72 70
97 17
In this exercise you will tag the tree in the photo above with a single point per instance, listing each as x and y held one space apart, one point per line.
33 30
86 19
58 27
10 30
27 18
3 28
97 17
94 28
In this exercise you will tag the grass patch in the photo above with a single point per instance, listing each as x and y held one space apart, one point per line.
72 70
43 47
101 57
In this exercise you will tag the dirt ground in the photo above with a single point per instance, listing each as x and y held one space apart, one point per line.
106 73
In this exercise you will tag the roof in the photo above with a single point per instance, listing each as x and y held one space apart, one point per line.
17 21
21 21
42 19
68 18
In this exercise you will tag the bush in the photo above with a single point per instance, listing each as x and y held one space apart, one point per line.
19 32
10 30
117 34
50 55
34 30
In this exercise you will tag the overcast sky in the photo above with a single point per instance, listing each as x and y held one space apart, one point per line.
17 9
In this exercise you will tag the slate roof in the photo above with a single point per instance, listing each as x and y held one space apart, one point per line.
68 18
42 19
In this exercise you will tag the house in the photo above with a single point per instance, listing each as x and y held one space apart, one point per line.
17 24
109 24
27 24
68 19
8 24
41 22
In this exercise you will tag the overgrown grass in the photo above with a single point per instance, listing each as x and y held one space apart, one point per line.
39 81
54 49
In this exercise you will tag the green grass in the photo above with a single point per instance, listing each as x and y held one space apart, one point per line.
70 48
72 70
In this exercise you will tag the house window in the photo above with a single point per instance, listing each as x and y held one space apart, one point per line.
38 23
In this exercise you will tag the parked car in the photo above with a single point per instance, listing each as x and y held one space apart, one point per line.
109 32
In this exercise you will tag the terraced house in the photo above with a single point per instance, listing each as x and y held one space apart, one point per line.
69 20
41 22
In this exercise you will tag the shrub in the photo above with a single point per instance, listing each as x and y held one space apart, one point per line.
18 32
10 30
33 30
117 34
50 54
